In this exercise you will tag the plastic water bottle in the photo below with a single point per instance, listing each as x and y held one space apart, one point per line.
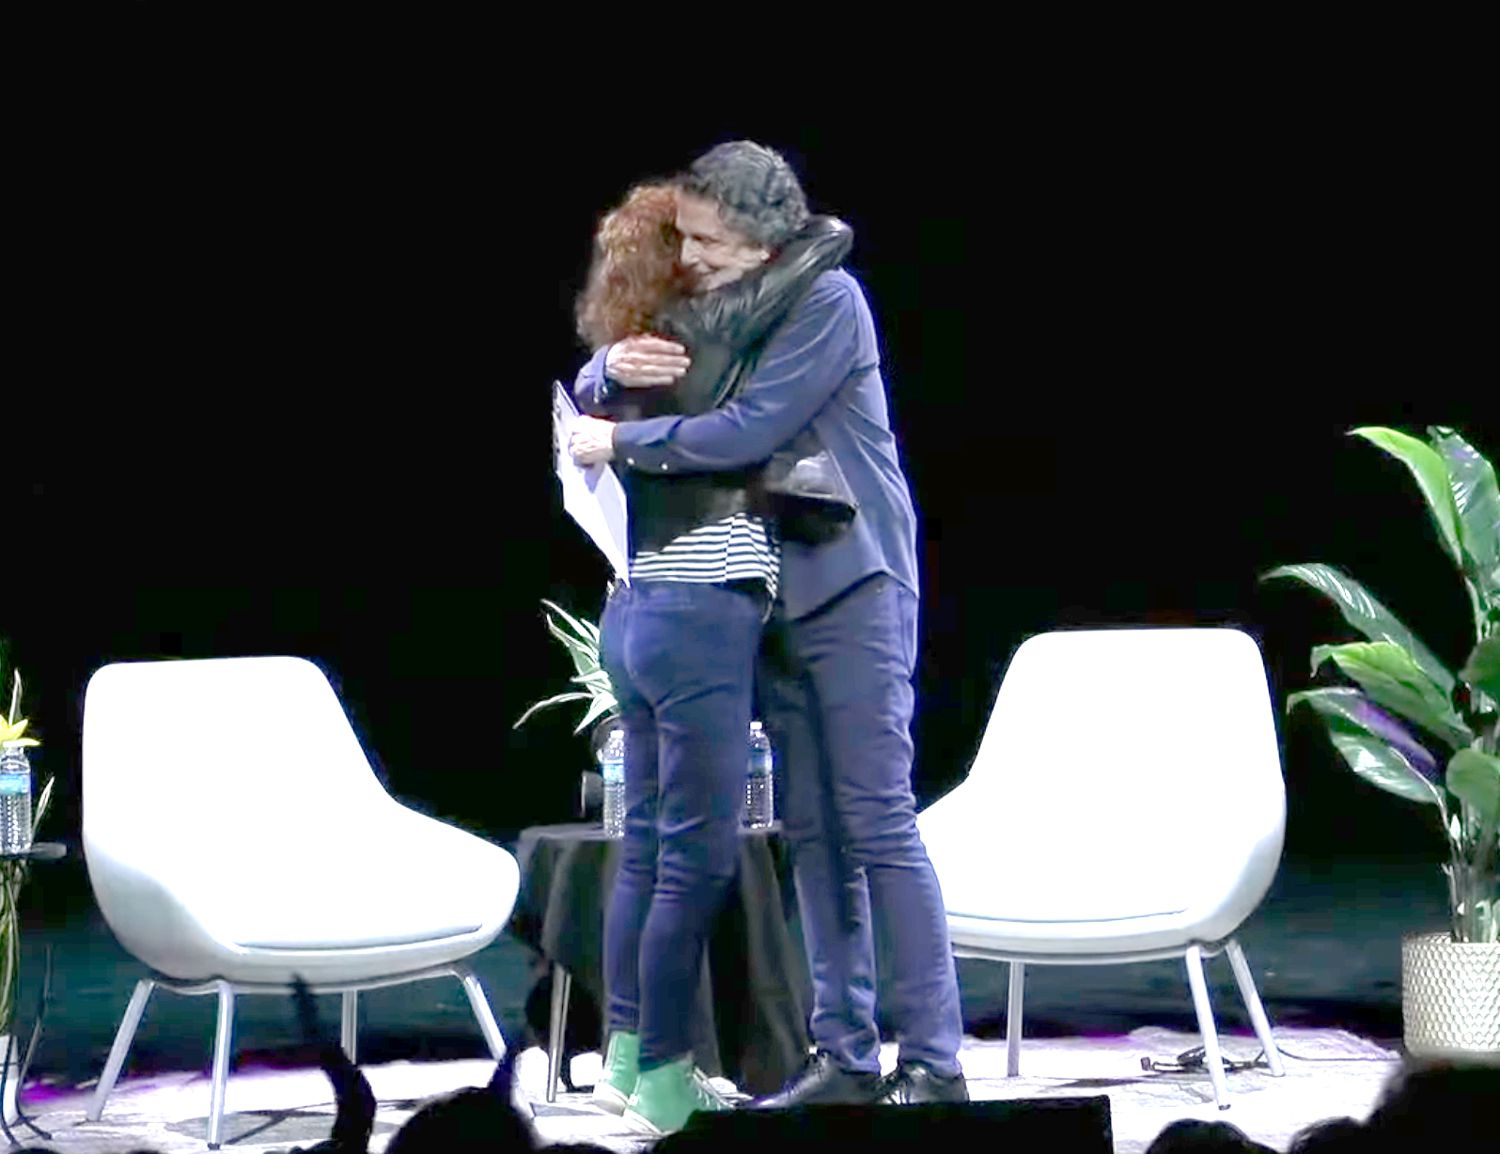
760 793
612 767
15 800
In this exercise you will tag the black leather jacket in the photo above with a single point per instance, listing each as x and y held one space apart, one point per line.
724 332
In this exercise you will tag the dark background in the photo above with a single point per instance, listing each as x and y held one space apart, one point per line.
302 349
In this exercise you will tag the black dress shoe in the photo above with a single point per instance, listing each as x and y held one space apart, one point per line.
918 1082
822 1082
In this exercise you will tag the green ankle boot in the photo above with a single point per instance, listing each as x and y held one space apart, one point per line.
667 1095
621 1068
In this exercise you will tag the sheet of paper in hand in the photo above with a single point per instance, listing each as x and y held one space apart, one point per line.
592 494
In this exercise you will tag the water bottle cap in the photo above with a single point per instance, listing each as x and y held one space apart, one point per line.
755 727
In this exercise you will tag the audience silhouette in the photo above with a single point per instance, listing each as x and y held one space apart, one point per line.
1331 1136
1190 1136
354 1101
1436 1104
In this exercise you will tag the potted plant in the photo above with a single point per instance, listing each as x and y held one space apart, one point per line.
13 872
1402 721
581 639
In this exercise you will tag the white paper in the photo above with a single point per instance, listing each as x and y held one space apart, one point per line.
592 494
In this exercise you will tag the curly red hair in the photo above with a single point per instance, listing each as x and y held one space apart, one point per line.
635 270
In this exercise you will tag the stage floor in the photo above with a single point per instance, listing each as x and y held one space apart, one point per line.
1329 1072
1324 948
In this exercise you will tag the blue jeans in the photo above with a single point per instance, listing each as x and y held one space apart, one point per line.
681 660
837 698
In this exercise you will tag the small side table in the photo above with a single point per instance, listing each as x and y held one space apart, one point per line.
40 851
750 1018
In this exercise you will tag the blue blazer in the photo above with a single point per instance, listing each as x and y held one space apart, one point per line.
820 367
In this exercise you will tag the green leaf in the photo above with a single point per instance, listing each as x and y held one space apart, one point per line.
580 628
559 631
1366 754
1368 615
39 810
1476 496
558 700
596 681
1482 670
1387 673
1431 474
599 708
1474 778
584 656
582 646
15 698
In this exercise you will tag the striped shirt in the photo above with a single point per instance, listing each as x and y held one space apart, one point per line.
741 547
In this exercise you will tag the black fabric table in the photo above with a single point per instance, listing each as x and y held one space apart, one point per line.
752 1003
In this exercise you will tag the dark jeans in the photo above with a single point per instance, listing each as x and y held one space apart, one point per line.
837 698
681 660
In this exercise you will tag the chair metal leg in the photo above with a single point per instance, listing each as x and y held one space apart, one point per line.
1211 1056
1251 997
1013 1001
493 1038
349 1024
562 988
123 1037
223 1040
480 1004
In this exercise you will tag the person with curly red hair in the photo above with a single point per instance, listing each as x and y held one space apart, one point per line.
680 640
636 270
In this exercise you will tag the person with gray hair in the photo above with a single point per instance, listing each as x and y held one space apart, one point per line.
679 641
758 194
835 677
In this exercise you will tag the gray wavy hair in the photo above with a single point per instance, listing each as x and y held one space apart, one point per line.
757 192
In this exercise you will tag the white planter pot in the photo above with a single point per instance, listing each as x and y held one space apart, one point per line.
12 1070
1450 997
